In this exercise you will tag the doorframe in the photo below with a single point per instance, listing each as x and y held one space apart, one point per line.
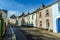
56 23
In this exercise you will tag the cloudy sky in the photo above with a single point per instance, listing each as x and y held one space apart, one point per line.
18 6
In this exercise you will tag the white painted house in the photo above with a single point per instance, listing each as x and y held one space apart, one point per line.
56 17
21 20
32 19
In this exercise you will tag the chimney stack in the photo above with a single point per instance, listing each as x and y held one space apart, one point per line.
42 6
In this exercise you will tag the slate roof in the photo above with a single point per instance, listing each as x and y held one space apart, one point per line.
13 17
4 10
39 9
22 15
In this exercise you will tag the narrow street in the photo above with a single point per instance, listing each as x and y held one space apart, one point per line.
13 33
23 33
29 19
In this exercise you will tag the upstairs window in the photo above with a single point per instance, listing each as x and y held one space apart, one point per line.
32 16
40 15
59 7
47 13
29 17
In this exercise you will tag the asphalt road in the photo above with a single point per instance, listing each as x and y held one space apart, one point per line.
13 33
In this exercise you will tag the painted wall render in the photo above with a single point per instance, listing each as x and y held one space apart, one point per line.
55 15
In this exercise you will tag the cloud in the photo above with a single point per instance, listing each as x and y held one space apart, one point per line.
18 6
13 13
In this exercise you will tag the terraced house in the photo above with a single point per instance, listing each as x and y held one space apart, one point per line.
12 19
21 19
46 17
31 19
28 19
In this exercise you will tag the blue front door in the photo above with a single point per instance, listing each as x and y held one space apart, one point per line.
58 25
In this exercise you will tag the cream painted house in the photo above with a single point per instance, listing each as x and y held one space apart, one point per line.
49 17
44 16
12 19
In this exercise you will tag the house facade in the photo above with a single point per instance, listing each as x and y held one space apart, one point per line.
28 19
21 20
31 19
3 22
49 17
56 17
46 17
4 14
12 19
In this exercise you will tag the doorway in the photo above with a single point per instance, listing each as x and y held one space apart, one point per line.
58 25
47 24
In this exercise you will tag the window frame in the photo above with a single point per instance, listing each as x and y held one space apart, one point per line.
47 13
40 14
40 24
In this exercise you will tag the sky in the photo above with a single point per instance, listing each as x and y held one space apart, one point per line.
18 6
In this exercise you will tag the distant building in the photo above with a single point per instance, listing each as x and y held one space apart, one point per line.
21 20
12 19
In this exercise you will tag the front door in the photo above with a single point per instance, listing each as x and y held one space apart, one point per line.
58 25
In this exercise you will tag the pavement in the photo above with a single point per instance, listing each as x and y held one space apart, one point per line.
13 33
39 34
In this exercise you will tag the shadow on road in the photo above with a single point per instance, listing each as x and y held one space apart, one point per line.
30 36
